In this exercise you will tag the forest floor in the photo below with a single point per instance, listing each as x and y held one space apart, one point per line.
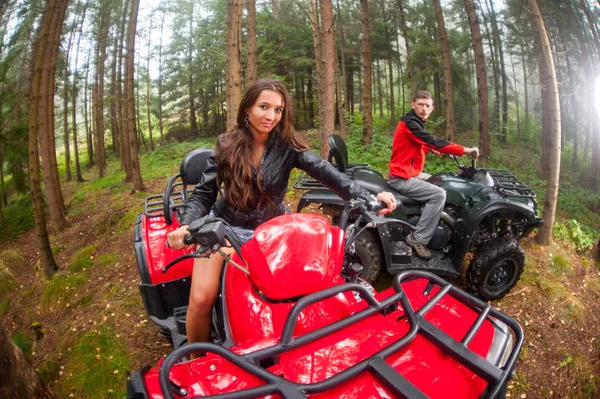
87 329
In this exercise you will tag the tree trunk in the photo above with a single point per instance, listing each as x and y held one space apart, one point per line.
88 136
160 114
340 99
550 119
114 118
315 24
234 88
593 26
406 44
327 103
367 74
52 11
19 378
516 97
74 100
343 77
390 62
482 89
251 42
447 61
492 44
66 98
149 109
122 113
496 32
138 184
525 88
46 63
379 90
99 88
190 60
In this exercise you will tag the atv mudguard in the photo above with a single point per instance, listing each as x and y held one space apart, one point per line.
469 219
327 197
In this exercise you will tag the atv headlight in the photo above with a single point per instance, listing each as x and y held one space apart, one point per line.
502 344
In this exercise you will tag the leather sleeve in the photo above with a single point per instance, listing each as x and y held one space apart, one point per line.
204 194
328 175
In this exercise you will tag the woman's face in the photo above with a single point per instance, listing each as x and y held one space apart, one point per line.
265 113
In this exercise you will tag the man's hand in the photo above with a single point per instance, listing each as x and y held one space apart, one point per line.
473 152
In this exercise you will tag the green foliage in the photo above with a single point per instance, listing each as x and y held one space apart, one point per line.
23 342
107 259
4 306
60 289
96 366
11 255
19 217
572 231
82 259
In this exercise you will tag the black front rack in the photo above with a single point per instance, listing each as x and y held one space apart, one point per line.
508 184
496 377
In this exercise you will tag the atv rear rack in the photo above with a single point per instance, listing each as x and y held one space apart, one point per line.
508 184
496 377
154 205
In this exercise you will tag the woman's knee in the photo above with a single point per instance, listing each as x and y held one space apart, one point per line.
202 300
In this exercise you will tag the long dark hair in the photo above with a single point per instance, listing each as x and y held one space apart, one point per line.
234 149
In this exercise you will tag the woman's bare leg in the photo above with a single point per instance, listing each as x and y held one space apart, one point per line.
203 295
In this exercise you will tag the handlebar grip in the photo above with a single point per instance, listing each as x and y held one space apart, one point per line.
188 240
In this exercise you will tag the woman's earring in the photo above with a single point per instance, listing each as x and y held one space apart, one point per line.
246 120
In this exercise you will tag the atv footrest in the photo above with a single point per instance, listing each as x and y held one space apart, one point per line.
179 314
403 259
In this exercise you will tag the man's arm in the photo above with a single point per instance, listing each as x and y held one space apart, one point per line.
422 136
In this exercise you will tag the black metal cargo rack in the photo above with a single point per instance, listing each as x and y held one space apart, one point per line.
154 205
508 184
497 377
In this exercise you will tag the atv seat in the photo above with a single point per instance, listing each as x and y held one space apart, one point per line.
339 152
375 183
193 165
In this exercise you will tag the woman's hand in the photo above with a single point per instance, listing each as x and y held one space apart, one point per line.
388 198
175 238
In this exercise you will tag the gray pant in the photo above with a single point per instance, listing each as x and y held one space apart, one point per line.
434 198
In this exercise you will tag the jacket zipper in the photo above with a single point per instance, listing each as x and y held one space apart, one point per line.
411 167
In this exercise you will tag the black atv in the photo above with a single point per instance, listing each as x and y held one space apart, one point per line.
487 212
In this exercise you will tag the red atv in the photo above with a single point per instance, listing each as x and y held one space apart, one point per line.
294 319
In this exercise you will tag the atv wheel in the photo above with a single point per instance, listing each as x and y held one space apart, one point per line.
369 254
496 269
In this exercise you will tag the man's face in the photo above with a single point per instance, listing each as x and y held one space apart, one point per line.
423 107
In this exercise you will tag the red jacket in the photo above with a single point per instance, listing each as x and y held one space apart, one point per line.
411 144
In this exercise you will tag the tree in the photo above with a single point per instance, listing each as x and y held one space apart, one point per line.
327 74
550 119
54 13
42 99
367 74
74 100
482 88
19 379
138 184
406 44
98 90
447 61
251 42
234 87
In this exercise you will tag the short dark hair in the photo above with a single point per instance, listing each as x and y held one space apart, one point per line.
422 94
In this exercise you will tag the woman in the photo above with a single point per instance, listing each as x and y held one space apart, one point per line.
253 162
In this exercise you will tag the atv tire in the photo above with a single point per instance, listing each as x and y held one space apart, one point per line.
369 254
496 269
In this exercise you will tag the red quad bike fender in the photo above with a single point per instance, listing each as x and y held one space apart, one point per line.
422 338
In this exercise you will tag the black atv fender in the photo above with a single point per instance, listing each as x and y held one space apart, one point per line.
326 197
465 227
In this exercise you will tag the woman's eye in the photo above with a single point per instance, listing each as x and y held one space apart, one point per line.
279 110
262 106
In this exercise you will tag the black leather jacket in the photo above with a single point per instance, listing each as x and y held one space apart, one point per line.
275 168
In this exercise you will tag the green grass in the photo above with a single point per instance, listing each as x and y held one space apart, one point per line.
96 366
7 282
61 288
82 259
560 265
10 256
23 342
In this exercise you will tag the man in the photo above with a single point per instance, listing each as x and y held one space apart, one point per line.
411 144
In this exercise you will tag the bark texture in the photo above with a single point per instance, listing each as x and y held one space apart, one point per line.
234 84
367 97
